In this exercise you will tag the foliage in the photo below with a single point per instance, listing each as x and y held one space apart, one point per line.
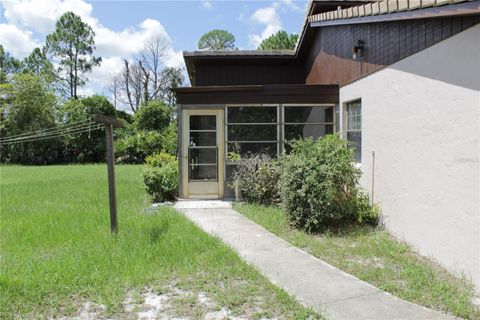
170 78
233 156
147 78
364 212
135 147
161 177
319 183
153 116
217 40
86 146
159 159
127 117
8 65
169 139
279 41
29 106
72 45
58 252
257 177
38 64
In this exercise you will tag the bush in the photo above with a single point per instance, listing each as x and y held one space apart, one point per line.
159 159
161 177
364 212
169 139
136 147
319 184
87 146
257 179
153 116
27 105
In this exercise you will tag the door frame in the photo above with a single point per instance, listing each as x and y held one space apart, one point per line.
186 185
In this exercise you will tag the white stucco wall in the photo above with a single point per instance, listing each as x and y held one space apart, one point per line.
421 115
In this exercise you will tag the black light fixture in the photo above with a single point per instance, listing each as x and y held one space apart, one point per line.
357 51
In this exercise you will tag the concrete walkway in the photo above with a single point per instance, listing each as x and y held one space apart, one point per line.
313 282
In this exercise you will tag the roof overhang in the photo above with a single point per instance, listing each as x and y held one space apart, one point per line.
459 9
193 58
258 94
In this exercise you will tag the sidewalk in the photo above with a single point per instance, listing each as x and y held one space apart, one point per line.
326 289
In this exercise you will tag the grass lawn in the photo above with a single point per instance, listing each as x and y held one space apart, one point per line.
374 256
57 253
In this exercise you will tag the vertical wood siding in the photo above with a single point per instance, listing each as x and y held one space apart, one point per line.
223 74
330 59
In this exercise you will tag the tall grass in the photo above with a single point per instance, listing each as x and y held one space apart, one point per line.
376 257
56 246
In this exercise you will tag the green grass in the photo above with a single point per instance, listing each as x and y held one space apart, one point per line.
376 257
56 249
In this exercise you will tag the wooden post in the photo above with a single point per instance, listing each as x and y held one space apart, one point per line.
109 124
111 177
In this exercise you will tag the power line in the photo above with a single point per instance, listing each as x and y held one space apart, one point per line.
72 124
57 135
53 132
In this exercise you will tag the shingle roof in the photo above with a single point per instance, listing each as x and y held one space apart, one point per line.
380 7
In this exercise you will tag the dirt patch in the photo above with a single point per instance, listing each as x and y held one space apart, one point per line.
170 303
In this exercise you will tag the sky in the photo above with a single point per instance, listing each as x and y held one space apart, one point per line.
121 27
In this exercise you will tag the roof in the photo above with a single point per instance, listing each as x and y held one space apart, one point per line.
314 6
380 7
234 53
319 13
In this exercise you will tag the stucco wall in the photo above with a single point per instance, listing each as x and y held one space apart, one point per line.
421 115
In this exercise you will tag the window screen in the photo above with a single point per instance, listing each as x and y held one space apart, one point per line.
354 128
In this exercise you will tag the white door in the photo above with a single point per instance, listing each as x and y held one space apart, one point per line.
203 155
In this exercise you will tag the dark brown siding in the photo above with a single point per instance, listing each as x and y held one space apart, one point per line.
258 94
231 74
330 59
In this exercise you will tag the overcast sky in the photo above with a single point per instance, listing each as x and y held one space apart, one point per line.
122 26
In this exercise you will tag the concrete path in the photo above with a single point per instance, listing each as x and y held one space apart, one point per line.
313 282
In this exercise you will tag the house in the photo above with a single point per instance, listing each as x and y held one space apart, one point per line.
399 79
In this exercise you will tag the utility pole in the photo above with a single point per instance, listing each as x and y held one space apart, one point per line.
109 124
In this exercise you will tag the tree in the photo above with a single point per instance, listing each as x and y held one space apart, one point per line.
151 60
279 41
72 46
87 146
132 85
38 64
8 65
217 40
153 116
29 108
170 78
146 78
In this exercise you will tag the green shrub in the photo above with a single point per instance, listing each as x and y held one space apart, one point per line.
257 178
364 212
136 147
160 159
169 139
319 184
161 177
153 116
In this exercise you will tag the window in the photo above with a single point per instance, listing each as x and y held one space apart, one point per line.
264 129
250 130
354 128
202 148
305 122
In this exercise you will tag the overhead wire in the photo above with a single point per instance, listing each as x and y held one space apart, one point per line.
78 130
40 131
43 134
